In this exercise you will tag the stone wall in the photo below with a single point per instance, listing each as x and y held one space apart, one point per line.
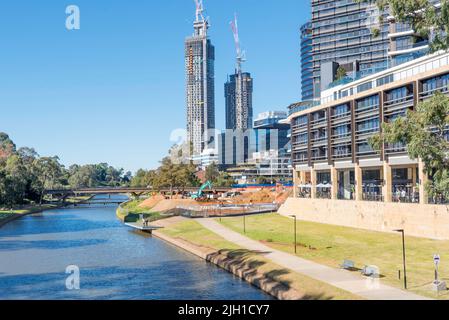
427 221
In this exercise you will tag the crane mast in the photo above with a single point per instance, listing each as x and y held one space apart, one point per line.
241 57
240 112
199 10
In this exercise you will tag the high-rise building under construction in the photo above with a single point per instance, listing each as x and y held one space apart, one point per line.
200 84
239 101
239 92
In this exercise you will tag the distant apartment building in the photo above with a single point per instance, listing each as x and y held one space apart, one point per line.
200 90
263 150
269 165
205 158
331 155
239 101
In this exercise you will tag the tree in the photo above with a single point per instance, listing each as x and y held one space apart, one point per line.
13 181
224 180
424 18
143 179
49 174
84 177
425 134
212 172
341 73
7 146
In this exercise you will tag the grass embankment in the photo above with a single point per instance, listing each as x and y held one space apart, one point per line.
330 245
29 209
192 232
130 212
5 214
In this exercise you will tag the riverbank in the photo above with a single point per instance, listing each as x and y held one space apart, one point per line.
250 266
7 216
131 211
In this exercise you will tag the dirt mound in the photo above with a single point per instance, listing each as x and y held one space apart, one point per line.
262 196
152 201
166 205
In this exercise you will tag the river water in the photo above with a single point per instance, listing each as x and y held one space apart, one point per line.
114 262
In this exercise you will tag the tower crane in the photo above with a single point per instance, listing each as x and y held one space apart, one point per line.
241 55
199 10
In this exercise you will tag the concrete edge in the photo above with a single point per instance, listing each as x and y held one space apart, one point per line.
274 288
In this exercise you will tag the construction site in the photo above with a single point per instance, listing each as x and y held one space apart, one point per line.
236 202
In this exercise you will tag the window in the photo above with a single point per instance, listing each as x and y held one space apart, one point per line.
368 103
365 87
341 110
385 80
432 84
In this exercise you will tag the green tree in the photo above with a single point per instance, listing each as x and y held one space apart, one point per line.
427 20
341 73
83 177
224 180
425 134
7 146
143 179
49 174
13 181
212 172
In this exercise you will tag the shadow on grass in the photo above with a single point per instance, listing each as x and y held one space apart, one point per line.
240 262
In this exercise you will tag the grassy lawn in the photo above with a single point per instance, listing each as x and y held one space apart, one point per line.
330 245
4 214
130 212
77 199
28 209
191 231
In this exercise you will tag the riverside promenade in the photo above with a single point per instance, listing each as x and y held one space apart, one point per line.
367 288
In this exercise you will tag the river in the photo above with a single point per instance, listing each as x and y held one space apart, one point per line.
114 261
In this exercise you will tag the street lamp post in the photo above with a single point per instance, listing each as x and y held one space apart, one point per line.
244 223
294 219
403 256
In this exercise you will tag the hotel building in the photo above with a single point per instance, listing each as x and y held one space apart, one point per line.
331 156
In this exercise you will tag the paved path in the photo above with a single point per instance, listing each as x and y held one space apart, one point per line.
367 288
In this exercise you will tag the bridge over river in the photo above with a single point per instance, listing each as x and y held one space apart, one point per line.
64 193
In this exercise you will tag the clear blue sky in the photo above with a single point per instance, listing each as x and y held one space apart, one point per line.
114 90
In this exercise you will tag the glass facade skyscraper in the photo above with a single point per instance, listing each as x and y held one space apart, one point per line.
239 101
343 33
306 62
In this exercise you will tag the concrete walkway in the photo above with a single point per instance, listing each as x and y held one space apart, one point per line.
367 288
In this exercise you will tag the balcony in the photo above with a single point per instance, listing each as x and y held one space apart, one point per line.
395 148
318 139
429 93
422 45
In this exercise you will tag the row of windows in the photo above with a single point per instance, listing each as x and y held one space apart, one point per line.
342 130
368 102
371 125
333 4
398 93
436 83
341 110
346 18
